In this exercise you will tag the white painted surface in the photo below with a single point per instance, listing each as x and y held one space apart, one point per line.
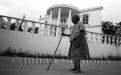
37 43
94 29
95 18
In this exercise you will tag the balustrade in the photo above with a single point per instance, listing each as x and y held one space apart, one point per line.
107 39
17 24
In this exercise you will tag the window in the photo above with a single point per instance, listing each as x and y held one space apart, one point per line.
63 20
85 18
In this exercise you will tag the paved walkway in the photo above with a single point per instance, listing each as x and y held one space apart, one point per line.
114 68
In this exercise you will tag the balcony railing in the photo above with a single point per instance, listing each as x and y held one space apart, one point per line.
104 38
22 25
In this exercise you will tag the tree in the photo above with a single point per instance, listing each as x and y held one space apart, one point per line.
118 29
108 28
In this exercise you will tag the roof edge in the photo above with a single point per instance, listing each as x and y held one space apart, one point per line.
63 5
91 9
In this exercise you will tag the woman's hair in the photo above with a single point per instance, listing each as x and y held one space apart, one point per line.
75 19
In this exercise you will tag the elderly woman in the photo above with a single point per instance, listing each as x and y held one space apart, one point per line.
78 43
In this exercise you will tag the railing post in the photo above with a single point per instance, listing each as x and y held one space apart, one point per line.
69 22
111 40
8 23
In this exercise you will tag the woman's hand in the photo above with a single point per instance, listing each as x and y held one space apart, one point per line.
63 34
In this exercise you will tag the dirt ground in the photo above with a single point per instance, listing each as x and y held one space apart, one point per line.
6 68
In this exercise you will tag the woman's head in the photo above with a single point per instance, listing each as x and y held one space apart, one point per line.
75 19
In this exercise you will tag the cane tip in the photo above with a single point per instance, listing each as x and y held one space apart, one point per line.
47 68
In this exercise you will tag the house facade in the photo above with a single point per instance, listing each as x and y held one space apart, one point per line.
60 14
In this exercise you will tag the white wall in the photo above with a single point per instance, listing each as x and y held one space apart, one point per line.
99 49
29 41
94 29
37 43
94 19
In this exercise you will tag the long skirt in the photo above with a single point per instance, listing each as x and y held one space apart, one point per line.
79 47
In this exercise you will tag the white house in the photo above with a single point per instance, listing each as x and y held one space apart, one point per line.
61 14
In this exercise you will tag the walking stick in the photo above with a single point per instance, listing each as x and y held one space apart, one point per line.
54 54
62 30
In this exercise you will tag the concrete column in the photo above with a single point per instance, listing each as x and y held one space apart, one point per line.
69 22
50 21
58 22
51 14
8 23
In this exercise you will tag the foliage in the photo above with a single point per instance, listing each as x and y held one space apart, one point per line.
111 29
118 31
108 28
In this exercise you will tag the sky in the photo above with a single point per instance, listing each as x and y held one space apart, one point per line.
34 8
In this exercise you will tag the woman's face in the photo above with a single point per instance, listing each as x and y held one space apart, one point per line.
75 19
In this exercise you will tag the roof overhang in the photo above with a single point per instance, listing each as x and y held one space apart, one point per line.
91 9
65 8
